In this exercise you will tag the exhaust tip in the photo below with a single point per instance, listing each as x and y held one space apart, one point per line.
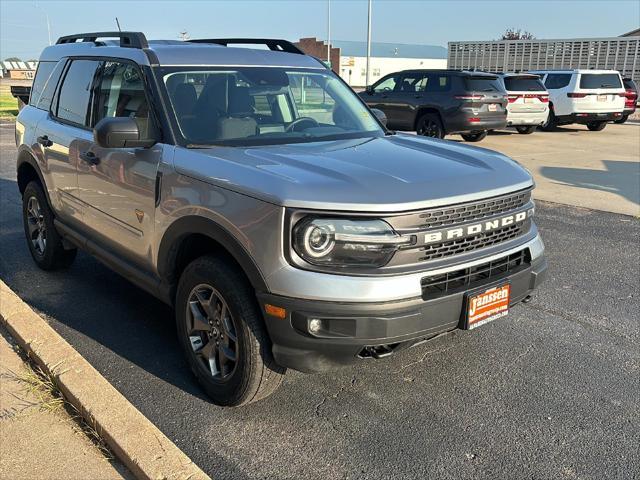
527 299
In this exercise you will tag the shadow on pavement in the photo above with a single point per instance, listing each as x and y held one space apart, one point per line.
620 177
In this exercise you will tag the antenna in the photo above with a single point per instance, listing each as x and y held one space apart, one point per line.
118 24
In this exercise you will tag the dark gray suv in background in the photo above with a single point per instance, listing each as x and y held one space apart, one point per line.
436 103
254 192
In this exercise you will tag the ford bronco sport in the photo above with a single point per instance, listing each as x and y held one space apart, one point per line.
253 191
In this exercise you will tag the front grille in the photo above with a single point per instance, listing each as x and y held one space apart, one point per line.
481 240
468 278
473 211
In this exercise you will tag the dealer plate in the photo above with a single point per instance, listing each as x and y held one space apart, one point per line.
493 107
487 305
602 98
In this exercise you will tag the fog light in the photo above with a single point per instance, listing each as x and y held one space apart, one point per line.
315 324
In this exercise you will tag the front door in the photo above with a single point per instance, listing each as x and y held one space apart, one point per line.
382 96
409 95
117 186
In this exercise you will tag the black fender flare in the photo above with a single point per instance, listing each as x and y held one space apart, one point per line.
26 156
185 226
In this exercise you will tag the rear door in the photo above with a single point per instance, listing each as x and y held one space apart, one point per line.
117 186
65 132
486 96
598 92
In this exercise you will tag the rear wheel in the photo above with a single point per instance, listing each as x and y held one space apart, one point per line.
596 126
622 119
430 125
474 136
45 244
526 130
551 124
222 332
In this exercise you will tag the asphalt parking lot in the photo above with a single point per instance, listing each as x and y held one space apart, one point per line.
551 391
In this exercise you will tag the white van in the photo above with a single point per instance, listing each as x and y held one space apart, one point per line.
589 97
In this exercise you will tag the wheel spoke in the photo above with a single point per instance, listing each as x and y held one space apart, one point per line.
228 329
40 242
199 322
208 354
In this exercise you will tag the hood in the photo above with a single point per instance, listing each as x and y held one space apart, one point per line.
383 174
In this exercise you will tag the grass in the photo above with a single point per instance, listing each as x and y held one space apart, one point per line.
8 104
45 388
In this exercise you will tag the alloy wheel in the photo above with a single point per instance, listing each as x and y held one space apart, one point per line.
212 331
37 226
429 128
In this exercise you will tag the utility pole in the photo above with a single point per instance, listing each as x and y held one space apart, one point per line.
329 32
368 41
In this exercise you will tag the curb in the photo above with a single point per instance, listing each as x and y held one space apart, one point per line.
137 443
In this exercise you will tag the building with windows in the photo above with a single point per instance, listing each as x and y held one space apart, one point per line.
351 58
613 53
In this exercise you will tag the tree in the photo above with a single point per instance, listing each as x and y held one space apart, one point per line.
517 34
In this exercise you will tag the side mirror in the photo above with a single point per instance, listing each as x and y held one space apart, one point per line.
120 132
380 115
369 89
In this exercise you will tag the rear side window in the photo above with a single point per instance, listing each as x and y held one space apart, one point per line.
600 80
523 84
39 82
557 80
438 83
50 88
483 84
75 92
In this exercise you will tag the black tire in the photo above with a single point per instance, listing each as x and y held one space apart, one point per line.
430 125
596 126
526 130
621 120
474 136
551 124
45 244
239 334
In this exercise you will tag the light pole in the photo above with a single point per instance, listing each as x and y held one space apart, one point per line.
46 14
329 32
368 41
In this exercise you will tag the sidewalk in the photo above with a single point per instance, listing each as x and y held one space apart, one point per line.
38 438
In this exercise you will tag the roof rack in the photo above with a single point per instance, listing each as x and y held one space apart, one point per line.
127 39
275 44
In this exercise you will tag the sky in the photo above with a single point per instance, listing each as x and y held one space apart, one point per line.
23 23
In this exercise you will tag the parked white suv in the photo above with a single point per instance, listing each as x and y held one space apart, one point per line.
589 97
528 105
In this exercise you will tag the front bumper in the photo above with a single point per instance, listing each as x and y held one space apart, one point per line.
354 330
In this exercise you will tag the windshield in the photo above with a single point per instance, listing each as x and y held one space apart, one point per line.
600 80
523 84
264 105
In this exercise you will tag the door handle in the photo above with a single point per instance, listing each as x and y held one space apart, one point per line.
90 158
44 141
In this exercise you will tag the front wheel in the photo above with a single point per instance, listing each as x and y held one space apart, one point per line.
45 244
223 335
430 125
623 119
474 136
526 130
596 126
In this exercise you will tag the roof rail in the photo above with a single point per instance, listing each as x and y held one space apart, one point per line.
275 44
127 39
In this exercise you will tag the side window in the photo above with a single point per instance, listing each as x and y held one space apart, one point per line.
50 88
39 82
557 80
438 83
121 94
75 92
386 85
414 82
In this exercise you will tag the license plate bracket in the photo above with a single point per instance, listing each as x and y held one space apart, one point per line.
484 305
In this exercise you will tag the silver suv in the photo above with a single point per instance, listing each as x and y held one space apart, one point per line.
253 191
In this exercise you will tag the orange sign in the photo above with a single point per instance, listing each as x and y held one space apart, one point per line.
488 306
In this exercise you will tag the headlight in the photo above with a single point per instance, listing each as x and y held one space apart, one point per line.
346 243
